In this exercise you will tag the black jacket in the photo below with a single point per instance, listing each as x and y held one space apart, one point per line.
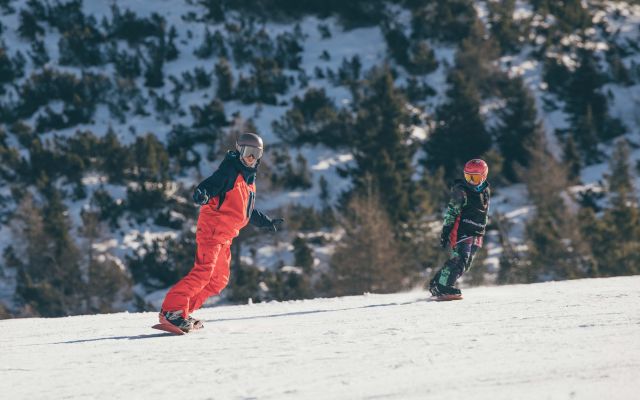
469 208
223 179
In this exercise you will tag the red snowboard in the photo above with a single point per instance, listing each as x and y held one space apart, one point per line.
169 328
446 297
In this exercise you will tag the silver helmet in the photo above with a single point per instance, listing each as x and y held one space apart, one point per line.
250 144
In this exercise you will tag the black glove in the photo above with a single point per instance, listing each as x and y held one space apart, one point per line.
200 196
444 236
274 225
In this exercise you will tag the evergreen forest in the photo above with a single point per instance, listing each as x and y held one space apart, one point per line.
112 112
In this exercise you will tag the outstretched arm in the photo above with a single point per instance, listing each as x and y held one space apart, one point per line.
261 220
454 208
486 217
212 186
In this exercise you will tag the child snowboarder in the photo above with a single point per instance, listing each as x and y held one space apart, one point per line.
227 199
465 221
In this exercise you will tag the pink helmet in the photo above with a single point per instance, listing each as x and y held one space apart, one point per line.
476 171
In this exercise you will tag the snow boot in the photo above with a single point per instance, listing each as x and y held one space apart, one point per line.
438 290
175 318
197 324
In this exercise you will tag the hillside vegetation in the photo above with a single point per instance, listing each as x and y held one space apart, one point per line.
111 113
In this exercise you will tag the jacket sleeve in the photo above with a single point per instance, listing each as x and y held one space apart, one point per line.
214 185
486 217
454 207
259 219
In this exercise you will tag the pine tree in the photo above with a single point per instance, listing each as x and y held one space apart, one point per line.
287 284
586 132
349 71
288 51
418 237
29 27
245 280
172 51
476 59
460 134
117 160
81 45
211 116
108 284
620 179
302 173
618 70
447 20
7 69
91 232
154 75
398 45
556 248
11 162
586 103
432 192
225 80
367 259
572 161
4 312
570 14
215 10
314 119
207 47
109 209
517 126
512 268
127 65
29 249
327 214
151 159
503 26
38 53
618 244
269 81
66 256
422 59
163 262
588 107
302 253
50 280
379 145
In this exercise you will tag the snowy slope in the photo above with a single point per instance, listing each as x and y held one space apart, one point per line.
620 20
558 340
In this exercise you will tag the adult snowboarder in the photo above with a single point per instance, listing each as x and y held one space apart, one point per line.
465 221
226 201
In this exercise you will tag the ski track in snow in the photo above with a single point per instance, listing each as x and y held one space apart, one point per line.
558 340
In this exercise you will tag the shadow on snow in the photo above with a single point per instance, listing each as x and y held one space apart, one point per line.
289 314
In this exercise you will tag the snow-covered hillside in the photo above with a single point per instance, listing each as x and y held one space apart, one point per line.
168 84
558 340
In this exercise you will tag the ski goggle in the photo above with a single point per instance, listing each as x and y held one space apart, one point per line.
474 179
246 151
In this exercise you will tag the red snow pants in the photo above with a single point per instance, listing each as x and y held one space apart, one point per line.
209 275
217 226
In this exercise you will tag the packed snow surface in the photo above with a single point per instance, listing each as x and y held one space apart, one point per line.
559 340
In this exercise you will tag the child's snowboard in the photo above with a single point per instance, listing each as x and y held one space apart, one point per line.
446 297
